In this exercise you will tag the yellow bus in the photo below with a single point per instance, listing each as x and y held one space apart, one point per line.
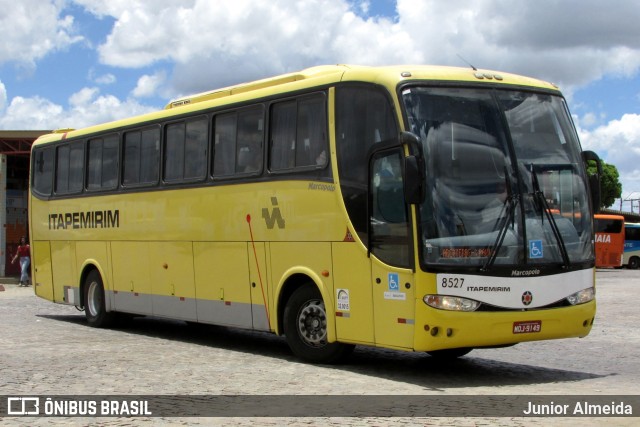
417 208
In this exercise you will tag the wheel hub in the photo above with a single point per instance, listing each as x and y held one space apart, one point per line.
312 324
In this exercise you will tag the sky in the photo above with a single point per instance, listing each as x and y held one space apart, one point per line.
74 63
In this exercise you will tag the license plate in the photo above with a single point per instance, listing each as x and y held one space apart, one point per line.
527 327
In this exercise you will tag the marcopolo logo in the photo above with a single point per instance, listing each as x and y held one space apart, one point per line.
525 273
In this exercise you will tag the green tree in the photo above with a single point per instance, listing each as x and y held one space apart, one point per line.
610 186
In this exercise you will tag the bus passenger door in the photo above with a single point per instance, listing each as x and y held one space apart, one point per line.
390 234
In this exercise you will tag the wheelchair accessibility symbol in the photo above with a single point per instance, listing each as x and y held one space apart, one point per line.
535 249
393 282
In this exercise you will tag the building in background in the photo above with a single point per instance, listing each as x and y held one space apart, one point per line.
15 150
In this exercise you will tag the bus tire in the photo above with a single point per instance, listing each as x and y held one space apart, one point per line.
94 302
634 263
305 327
449 353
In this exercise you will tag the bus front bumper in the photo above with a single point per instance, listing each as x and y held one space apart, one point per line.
440 329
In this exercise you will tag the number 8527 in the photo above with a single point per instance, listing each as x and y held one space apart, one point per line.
452 282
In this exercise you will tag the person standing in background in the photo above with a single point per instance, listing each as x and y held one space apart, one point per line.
24 253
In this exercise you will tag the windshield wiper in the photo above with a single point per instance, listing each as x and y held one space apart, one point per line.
541 202
510 207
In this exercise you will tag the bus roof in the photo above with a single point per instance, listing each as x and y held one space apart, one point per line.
389 76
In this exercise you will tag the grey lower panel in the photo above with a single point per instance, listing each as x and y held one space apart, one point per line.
130 302
174 307
260 322
226 313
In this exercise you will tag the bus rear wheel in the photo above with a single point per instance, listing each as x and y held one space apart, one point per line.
305 327
634 263
95 309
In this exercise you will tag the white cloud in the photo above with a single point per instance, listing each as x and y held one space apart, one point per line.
228 41
3 96
618 142
31 113
218 43
589 120
565 42
32 29
106 79
86 107
148 85
364 6
83 97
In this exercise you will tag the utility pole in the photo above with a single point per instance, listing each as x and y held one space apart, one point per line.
631 200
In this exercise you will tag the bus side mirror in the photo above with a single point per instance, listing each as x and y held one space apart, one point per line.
594 180
414 180
410 139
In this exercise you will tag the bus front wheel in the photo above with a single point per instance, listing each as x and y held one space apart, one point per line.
94 302
305 327
634 263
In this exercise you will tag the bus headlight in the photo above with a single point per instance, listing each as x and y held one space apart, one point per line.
451 303
582 296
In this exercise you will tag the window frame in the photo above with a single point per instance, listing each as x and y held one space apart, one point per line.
236 114
324 127
71 146
150 142
165 151
103 138
140 183
51 178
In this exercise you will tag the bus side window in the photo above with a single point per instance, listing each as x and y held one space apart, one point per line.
102 163
390 230
174 143
283 136
186 150
225 127
298 134
195 150
150 156
70 168
43 171
141 157
311 141
364 117
131 173
249 144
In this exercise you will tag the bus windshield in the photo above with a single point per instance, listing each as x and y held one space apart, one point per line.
505 184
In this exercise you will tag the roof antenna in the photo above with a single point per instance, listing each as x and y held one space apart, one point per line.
467 62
